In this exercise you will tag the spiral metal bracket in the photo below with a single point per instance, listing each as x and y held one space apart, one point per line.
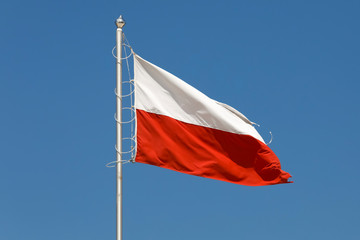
131 152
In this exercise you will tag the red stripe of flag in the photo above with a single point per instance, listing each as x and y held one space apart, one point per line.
206 152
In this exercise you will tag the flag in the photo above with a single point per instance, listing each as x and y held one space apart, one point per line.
180 128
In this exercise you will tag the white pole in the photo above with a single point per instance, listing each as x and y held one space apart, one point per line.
120 24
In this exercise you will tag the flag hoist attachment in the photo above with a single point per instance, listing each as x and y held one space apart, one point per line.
127 99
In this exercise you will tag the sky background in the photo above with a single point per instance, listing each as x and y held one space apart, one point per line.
290 66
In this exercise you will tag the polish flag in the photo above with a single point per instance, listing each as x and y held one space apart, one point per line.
181 129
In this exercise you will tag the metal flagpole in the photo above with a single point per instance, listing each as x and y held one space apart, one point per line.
120 24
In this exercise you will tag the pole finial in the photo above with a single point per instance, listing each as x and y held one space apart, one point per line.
120 22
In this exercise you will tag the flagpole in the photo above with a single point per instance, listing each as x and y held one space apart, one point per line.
119 24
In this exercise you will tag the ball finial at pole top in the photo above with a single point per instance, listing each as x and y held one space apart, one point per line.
120 22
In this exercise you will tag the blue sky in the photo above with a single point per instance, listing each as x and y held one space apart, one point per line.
291 66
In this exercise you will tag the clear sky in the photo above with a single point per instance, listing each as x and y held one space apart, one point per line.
291 66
